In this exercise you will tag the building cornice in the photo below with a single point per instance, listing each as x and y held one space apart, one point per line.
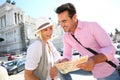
8 7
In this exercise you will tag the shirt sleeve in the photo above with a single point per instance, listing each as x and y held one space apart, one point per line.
34 53
104 41
56 54
67 49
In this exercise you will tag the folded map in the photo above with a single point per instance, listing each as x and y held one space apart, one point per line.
69 66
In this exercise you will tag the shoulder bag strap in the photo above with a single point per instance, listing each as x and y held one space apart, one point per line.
94 52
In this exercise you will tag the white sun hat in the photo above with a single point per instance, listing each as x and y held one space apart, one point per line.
42 23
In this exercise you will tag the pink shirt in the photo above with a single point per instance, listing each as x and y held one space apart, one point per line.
91 35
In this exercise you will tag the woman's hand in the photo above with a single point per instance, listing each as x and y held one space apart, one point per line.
53 72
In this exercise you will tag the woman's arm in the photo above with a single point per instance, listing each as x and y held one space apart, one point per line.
29 75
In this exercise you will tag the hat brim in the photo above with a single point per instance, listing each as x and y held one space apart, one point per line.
43 28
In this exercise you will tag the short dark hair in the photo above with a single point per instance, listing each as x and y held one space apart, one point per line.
66 7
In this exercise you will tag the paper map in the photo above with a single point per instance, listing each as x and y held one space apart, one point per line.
69 66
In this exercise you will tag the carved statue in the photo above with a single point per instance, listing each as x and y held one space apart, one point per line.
8 1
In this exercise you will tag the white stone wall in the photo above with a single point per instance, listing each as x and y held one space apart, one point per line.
11 31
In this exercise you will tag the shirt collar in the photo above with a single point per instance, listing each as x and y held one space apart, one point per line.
79 24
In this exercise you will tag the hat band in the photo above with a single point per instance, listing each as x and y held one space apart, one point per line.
45 24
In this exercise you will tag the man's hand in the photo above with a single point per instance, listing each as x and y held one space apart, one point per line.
87 66
62 60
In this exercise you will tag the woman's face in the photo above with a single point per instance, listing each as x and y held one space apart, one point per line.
47 33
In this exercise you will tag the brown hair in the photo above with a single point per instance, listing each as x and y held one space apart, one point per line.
66 7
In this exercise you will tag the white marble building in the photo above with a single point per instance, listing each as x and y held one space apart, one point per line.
13 28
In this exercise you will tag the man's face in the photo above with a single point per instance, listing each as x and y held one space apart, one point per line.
66 22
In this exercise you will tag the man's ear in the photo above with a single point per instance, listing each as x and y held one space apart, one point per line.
74 17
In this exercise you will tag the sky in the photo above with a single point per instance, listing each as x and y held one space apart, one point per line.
105 12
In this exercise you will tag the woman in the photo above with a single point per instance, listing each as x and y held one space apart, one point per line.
41 55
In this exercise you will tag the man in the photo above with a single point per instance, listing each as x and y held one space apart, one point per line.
90 35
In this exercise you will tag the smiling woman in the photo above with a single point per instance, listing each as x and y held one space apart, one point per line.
41 54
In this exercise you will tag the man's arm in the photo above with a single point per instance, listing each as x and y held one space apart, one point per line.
29 75
92 61
99 58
